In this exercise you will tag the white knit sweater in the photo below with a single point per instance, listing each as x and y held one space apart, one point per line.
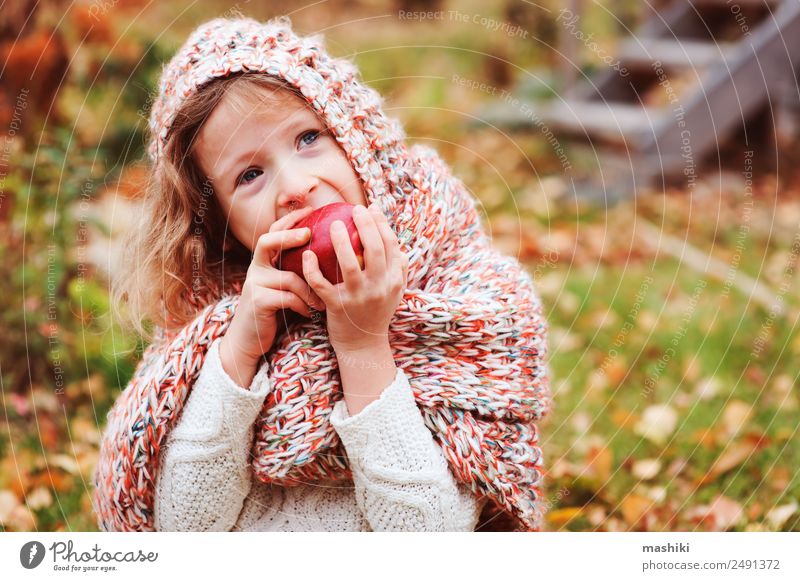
401 481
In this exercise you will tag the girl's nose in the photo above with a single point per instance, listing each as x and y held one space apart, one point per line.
295 189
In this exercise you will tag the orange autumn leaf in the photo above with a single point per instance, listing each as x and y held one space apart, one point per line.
722 514
562 516
778 478
624 418
731 457
617 371
706 437
634 507
599 462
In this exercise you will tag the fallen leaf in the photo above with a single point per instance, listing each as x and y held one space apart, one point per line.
617 371
64 462
783 385
779 478
634 507
599 462
735 416
676 467
563 468
91 387
21 519
615 525
88 462
603 319
8 502
550 284
39 498
598 381
733 455
706 437
20 404
646 469
658 422
691 369
756 375
581 421
726 512
778 516
754 511
568 303
683 400
562 516
85 430
562 388
623 418
49 433
707 388
756 527
656 493
54 479
562 341
722 514
595 514
647 321
44 400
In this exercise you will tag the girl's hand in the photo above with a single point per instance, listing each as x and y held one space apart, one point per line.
266 290
360 308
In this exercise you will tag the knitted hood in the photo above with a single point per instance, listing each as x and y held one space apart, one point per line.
469 332
373 142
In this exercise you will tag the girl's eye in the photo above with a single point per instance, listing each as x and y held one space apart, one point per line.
248 176
309 137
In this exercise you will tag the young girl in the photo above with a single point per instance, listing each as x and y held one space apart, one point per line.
403 398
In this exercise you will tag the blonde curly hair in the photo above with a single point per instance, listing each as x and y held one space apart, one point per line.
181 247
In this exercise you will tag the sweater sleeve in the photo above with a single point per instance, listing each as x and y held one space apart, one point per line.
204 474
402 480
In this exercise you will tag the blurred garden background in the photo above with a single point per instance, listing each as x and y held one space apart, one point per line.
673 314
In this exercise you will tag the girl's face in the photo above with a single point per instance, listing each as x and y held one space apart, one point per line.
274 158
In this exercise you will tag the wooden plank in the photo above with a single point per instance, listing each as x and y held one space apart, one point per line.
617 123
612 122
732 92
672 53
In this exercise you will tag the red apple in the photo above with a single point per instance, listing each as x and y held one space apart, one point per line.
319 221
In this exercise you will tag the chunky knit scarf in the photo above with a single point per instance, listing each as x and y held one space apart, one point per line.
469 332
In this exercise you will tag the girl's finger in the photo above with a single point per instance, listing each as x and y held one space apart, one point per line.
288 222
278 299
289 281
271 243
348 263
371 240
390 242
290 219
321 286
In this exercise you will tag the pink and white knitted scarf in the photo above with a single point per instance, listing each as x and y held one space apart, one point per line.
469 332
